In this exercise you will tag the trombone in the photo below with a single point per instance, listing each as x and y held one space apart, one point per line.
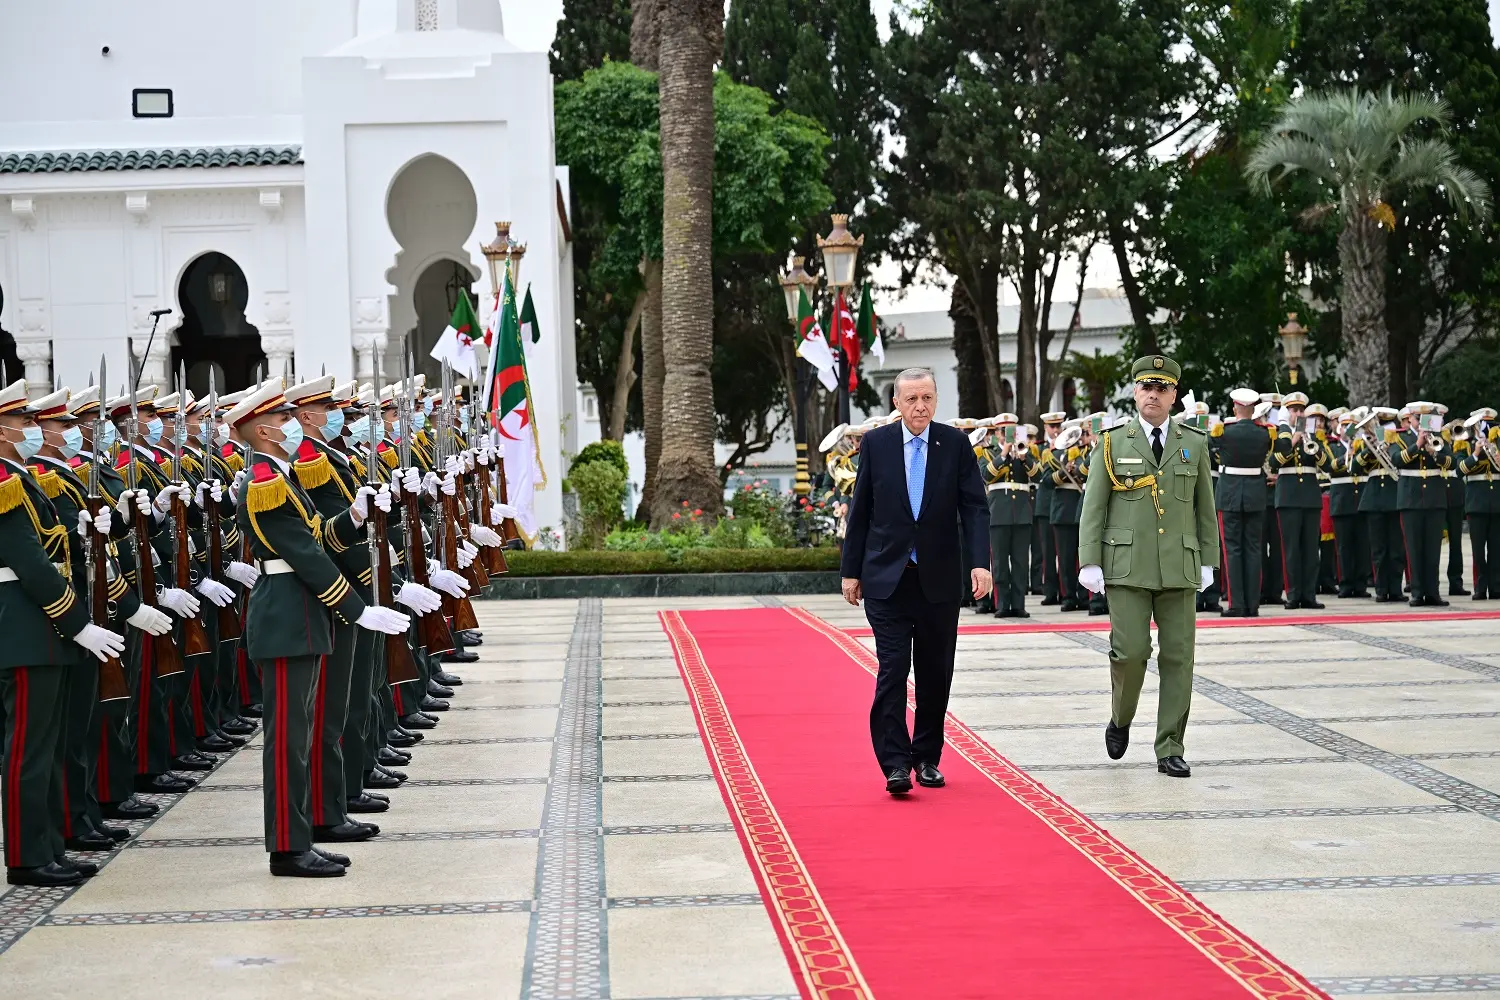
1374 437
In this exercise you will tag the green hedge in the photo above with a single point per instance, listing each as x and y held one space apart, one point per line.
605 563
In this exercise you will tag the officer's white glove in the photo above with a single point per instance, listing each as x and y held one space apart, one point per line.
180 602
1205 577
502 512
482 456
454 465
100 641
163 501
215 591
469 461
419 598
361 506
242 573
150 620
131 501
387 620
1092 579
198 494
411 481
450 485
100 523
449 582
383 499
465 557
484 536
430 484
212 488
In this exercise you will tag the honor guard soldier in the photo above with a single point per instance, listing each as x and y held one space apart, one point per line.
1297 455
1043 544
1149 536
1480 469
47 632
1242 498
289 618
1458 443
1351 537
1421 455
1008 463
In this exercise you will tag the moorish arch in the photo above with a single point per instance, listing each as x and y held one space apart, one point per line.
214 333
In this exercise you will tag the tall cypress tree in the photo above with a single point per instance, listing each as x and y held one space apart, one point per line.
589 32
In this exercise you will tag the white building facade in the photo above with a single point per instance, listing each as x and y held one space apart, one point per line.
300 185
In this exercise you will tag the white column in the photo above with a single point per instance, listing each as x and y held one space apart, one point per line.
370 333
276 336
34 348
156 363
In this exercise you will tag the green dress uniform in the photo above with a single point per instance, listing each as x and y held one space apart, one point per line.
1422 498
1299 511
1453 527
39 613
1377 504
1350 529
1008 485
1481 474
1149 523
289 631
1067 502
1043 544
1241 497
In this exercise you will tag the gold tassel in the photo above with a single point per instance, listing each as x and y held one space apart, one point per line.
51 484
12 493
390 458
268 495
314 473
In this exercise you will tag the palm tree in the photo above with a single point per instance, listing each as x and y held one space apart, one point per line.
691 34
1102 373
1357 144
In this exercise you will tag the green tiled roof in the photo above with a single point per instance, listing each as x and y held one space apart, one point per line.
148 159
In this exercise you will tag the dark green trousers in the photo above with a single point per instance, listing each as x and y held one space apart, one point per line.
330 717
1008 547
150 735
77 748
1272 576
1299 551
1351 536
1484 536
31 808
1423 530
1387 552
1454 525
1240 535
1043 559
289 686
1068 587
363 722
1131 610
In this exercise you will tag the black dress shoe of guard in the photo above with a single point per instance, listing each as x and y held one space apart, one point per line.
400 739
130 808
50 875
436 690
1292 605
237 727
379 779
364 802
1416 602
471 637
1314 605
254 711
444 677
1116 739
347 832
1071 605
1435 602
389 772
392 758
166 784
434 719
1480 595
984 608
85 868
1215 606
1383 599
214 743
461 656
1023 613
342 860
898 781
928 776
304 864
1362 593
235 740
431 704
1345 593
90 841
1049 602
1458 591
378 797
1173 767
192 762
1253 614
1232 613
116 833
415 721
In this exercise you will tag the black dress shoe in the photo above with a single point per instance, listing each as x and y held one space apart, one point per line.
116 833
1458 591
254 711
1071 605
342 860
1435 602
364 802
1292 605
1049 602
1314 605
1480 595
898 781
435 690
1232 613
444 677
1174 766
167 784
51 875
928 776
380 779
392 758
192 762
85 868
1362 593
304 864
389 772
1116 739
1345 593
131 808
214 743
237 727
235 740
397 739
471 637
90 841
431 704
1253 614
1023 613
348 832
378 797
1383 599
1215 606
1416 602
460 656
417 722
984 608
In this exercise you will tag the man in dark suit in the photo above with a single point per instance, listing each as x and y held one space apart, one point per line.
918 509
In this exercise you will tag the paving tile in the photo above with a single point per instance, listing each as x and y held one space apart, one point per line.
1203 742
715 951
676 864
1484 772
655 757
642 804
624 720
1426 736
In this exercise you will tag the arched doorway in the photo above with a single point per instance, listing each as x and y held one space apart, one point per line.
434 297
14 369
214 334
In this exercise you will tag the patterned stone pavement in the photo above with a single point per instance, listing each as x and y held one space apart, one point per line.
562 836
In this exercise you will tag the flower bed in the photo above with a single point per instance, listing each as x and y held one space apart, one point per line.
695 560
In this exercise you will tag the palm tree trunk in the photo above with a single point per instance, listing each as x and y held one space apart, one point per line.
625 372
1362 301
692 35
653 372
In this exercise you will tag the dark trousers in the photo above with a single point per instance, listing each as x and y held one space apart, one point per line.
1484 533
78 745
1068 588
911 633
1043 559
1454 524
1299 550
1272 570
363 722
1387 552
289 686
1423 530
151 737
330 718
31 808
1351 537
1241 539
1008 564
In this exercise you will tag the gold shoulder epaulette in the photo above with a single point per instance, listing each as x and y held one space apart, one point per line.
314 473
266 494
1218 431
390 458
12 493
50 482
359 466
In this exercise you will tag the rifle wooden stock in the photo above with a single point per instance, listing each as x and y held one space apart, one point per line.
112 685
508 531
432 630
229 615
400 665
194 638
457 508
165 660
494 557
457 608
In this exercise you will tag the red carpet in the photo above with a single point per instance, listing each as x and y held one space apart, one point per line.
1100 623
992 887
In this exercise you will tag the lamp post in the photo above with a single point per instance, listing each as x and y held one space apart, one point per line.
793 284
840 249
1293 339
504 250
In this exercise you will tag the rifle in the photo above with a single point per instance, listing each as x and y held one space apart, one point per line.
456 608
112 684
494 557
432 630
194 638
229 615
164 656
456 507
400 666
509 535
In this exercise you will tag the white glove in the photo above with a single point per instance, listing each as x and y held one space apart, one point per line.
361 506
150 620
1205 577
85 523
449 582
212 488
465 557
484 536
132 500
450 485
237 486
103 522
454 465
198 494
215 591
100 641
1092 579
468 458
430 484
502 512
387 620
180 602
163 501
242 573
407 479
383 499
419 598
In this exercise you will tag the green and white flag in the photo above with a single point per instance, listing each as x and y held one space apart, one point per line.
508 403
456 345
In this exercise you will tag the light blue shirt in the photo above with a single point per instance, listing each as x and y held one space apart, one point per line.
916 469
908 452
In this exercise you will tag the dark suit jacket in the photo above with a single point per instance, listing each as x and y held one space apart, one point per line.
881 530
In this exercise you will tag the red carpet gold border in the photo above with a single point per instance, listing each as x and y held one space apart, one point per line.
1244 960
811 940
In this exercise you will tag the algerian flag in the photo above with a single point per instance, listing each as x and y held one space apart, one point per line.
456 345
531 331
507 397
811 343
868 327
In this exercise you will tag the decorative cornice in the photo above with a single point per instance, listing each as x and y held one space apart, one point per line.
80 160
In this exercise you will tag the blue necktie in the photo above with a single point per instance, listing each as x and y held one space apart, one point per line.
916 477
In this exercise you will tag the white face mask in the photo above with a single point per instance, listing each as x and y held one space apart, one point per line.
221 434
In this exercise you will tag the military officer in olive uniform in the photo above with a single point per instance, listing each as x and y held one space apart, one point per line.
1351 537
1008 467
1242 497
1480 470
1043 545
1149 536
289 627
1297 456
1421 455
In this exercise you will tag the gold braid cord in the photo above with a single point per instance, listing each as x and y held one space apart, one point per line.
1143 482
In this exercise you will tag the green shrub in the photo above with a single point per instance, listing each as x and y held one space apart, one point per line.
600 487
604 451
697 560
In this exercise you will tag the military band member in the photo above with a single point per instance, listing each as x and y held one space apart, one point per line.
1421 455
1453 528
1210 598
1273 568
1351 536
1008 467
1043 545
1242 498
1377 503
1067 502
1149 537
1297 456
1480 469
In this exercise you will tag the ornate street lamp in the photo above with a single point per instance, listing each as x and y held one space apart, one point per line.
1293 340
840 249
505 250
793 284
